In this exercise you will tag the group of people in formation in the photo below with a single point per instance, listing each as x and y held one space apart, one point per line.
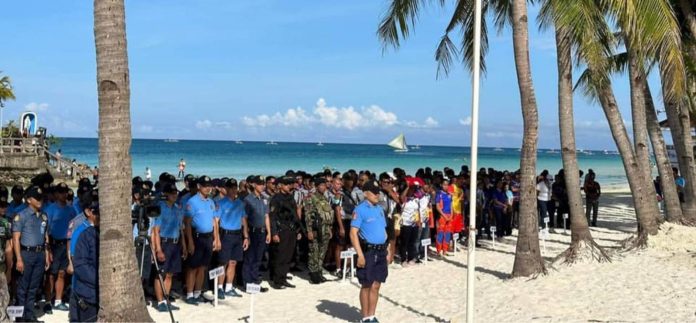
298 222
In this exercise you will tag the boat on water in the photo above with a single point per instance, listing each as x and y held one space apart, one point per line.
498 149
239 142
320 144
552 151
272 143
416 147
399 144
171 140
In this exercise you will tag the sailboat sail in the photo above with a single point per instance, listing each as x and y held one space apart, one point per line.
399 143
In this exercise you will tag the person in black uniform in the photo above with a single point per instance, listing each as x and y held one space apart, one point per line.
29 235
84 301
284 226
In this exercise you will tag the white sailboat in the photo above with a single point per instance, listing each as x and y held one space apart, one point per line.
399 144
272 143
320 144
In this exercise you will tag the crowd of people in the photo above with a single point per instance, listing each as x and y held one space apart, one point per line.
297 222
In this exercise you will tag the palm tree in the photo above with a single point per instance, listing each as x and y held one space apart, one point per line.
6 92
396 24
121 295
649 30
581 241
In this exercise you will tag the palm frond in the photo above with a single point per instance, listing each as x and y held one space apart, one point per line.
398 20
446 50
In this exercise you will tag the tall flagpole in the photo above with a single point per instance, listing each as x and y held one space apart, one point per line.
471 261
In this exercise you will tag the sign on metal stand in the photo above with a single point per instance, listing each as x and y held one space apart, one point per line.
493 233
348 256
565 222
252 289
214 274
14 312
425 243
455 238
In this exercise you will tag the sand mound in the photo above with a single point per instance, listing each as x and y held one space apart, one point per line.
674 238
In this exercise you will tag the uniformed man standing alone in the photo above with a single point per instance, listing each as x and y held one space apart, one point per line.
319 219
368 236
29 237
284 226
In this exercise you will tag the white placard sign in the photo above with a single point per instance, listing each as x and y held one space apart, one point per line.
217 272
565 216
546 219
455 236
493 228
253 288
347 254
425 242
15 311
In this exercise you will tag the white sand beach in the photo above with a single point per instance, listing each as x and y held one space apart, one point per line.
656 284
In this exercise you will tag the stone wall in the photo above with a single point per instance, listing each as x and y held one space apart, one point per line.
20 168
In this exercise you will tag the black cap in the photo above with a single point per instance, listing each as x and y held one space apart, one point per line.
17 189
84 182
189 178
3 192
319 180
286 180
230 183
169 188
34 192
61 188
3 202
216 182
371 186
259 180
90 200
204 181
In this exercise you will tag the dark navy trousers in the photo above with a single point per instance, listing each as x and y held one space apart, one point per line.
30 280
253 257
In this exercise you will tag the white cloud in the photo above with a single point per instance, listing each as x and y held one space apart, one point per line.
465 122
330 116
36 107
430 122
204 124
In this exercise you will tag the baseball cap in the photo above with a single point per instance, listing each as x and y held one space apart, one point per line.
258 180
169 188
3 192
204 181
371 186
34 192
230 183
319 180
286 180
62 188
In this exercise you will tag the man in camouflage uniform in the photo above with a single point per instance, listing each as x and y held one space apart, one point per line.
319 219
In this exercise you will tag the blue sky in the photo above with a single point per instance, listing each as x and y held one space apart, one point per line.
303 70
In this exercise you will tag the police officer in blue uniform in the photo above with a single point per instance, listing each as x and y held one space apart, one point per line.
59 215
30 234
167 231
256 209
368 236
84 300
234 236
201 220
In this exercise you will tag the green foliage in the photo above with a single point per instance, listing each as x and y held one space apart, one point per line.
10 130
6 92
52 140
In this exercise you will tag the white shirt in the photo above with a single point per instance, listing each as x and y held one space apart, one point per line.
408 213
424 208
544 192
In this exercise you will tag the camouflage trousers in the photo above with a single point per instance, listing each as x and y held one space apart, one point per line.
317 250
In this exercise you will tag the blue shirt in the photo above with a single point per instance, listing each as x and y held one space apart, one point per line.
59 219
74 223
202 213
15 208
231 213
76 236
370 221
32 226
256 209
86 265
444 200
76 205
170 220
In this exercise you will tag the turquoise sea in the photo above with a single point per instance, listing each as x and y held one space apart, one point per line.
227 158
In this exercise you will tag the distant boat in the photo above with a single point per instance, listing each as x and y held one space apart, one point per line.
416 147
171 140
588 152
320 144
239 142
498 149
273 143
606 152
552 151
399 144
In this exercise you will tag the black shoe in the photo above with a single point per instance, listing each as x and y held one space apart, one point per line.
288 277
47 308
264 289
277 286
314 278
286 284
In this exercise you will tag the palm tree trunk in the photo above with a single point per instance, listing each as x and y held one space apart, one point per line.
680 128
528 261
120 292
580 236
664 167
637 79
645 206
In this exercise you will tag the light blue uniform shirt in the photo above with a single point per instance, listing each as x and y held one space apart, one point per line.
231 213
202 212
369 219
32 225
59 219
169 221
76 205
13 209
